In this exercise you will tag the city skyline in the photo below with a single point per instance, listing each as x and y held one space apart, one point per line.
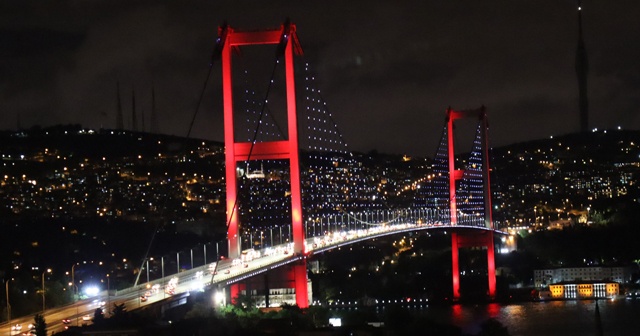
390 70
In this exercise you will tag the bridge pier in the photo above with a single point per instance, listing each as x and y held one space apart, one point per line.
462 240
299 270
277 285
234 291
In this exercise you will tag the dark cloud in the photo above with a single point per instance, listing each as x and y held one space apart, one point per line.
388 70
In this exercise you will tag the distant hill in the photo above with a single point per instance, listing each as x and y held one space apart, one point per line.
95 143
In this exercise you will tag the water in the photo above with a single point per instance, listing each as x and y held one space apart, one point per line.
619 317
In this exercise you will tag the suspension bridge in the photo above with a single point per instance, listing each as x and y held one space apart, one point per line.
329 182
295 191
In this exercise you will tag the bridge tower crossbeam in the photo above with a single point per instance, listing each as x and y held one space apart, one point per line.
286 39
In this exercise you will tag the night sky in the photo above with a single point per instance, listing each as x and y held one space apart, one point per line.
387 69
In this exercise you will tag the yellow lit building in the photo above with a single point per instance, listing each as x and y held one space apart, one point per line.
599 290
587 274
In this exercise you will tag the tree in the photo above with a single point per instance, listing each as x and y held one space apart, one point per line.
243 311
200 309
40 325
98 316
119 311
245 305
119 315
319 315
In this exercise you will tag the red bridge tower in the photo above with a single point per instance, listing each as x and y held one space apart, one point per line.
468 238
243 151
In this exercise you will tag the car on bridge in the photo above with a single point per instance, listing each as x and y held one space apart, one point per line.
16 327
171 286
249 254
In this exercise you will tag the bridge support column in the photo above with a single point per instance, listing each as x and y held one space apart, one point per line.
281 281
462 240
267 302
300 277
491 268
455 269
234 290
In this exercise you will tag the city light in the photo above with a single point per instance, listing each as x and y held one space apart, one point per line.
91 291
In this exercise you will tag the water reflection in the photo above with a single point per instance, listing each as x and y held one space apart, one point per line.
546 318
618 317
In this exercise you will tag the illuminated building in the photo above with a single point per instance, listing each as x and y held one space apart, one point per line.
546 277
581 290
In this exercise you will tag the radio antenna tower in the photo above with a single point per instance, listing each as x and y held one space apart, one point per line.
582 70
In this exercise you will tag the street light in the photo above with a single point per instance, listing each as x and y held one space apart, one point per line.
8 305
147 270
108 295
43 273
73 282
74 290
162 268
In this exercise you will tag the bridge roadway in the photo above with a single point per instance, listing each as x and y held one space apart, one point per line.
197 279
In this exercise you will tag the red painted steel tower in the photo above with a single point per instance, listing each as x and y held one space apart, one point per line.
243 151
464 239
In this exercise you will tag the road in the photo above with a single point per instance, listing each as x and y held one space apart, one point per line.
82 312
